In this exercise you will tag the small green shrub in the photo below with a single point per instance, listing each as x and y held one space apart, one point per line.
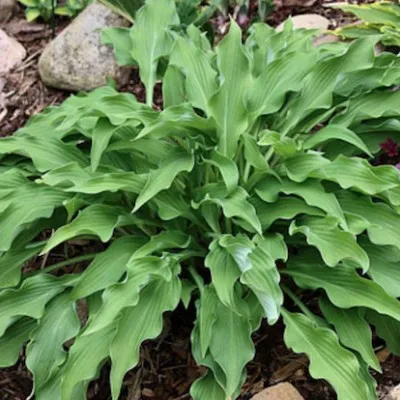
44 8
260 155
381 19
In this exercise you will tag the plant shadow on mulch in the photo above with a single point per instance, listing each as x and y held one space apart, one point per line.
166 368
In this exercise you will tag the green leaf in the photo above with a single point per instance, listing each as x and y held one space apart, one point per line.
32 296
45 351
126 8
344 287
31 14
328 359
107 268
387 328
227 105
162 178
207 388
310 190
121 40
284 208
233 205
138 323
380 220
106 218
151 39
230 346
228 170
12 262
335 132
384 267
334 244
224 273
12 341
84 359
353 331
196 66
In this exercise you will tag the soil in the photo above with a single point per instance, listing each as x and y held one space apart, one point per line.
166 369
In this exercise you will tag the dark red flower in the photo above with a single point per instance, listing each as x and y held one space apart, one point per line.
390 147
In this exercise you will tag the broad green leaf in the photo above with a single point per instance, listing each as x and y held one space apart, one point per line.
310 190
234 205
334 244
387 328
263 278
344 287
227 104
151 39
138 323
227 169
45 352
125 294
230 345
381 221
188 287
224 273
46 155
207 388
101 136
108 267
84 359
285 208
335 132
126 8
106 218
318 86
32 296
328 359
353 331
196 66
121 40
12 262
384 266
173 87
162 178
13 339
358 173
27 203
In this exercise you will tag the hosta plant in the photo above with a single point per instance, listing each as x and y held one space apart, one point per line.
249 196
380 18
44 8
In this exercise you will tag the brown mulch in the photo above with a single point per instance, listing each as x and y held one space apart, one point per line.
166 368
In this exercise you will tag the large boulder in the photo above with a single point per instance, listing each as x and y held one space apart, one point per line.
11 53
76 60
7 8
282 391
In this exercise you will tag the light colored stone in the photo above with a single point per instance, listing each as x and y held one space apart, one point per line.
282 391
325 39
7 8
394 394
308 21
11 53
75 60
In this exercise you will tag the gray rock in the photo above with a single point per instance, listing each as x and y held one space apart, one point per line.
282 391
11 53
7 8
75 60
394 394
308 21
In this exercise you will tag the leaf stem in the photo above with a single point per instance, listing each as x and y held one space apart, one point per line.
197 278
64 263
298 302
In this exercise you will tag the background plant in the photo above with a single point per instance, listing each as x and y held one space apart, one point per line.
44 8
250 189
380 18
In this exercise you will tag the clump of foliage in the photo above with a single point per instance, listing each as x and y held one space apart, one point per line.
381 18
249 190
44 8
